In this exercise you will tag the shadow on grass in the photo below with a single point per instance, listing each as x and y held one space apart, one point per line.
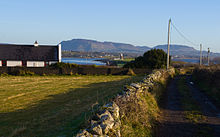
61 114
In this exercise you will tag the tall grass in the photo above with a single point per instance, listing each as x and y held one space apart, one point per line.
141 112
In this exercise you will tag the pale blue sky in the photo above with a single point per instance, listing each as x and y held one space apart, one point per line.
138 22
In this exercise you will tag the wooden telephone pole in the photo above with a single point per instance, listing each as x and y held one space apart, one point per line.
208 55
200 61
168 45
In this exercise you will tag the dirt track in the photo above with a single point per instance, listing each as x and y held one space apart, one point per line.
173 122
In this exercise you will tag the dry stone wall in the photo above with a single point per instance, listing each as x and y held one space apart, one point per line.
107 121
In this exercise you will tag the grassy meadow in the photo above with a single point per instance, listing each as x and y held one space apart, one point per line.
53 105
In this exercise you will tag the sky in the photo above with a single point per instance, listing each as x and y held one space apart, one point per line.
137 22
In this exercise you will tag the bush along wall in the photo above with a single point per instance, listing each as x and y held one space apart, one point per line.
131 113
82 70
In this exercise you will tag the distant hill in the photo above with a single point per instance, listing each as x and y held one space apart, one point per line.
184 51
179 50
96 46
112 47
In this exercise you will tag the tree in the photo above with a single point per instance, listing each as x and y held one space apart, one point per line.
154 59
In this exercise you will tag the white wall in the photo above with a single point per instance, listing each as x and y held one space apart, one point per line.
0 63
35 63
52 62
59 52
14 63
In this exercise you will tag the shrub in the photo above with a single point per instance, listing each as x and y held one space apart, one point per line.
4 74
154 59
71 65
21 72
64 65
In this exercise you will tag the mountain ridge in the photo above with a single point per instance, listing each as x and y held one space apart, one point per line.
87 45
96 46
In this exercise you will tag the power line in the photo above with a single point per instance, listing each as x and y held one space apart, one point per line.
182 35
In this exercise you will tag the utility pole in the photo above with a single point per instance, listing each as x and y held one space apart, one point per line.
208 55
168 45
200 61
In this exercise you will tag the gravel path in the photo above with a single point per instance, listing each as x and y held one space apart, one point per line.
173 122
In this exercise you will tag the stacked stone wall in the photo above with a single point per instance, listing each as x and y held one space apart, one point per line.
107 121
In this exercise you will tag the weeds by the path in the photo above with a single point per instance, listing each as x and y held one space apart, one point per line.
141 112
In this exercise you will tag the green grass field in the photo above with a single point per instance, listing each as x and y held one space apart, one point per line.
53 105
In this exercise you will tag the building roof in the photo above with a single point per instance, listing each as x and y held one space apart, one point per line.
28 52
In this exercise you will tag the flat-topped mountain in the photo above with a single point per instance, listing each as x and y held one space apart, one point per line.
96 46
